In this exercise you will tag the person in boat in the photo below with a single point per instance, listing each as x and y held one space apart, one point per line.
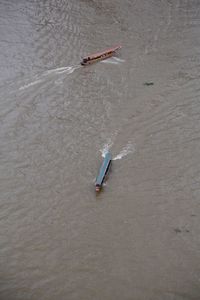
85 60
98 188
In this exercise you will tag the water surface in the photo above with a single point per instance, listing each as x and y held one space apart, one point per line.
140 238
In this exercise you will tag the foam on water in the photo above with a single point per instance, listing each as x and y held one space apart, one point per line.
40 78
129 148
113 60
67 70
120 60
106 147
29 84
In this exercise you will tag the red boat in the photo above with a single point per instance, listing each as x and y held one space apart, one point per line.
99 56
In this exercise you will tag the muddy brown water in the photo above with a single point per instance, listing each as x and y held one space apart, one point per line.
140 238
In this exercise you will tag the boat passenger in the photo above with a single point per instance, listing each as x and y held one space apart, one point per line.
98 188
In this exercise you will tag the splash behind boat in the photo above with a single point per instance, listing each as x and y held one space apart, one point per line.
103 171
99 56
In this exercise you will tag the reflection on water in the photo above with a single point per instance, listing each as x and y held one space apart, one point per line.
139 239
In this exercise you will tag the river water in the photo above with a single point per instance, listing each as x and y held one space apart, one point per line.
140 238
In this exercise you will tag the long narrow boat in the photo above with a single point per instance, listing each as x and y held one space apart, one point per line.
103 171
99 56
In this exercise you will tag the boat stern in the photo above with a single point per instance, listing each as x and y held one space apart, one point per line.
97 188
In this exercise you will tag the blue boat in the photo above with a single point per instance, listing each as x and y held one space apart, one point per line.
103 171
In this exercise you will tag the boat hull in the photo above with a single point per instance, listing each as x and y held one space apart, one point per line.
103 171
99 56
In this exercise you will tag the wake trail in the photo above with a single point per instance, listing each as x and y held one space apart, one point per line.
113 60
106 148
50 73
127 149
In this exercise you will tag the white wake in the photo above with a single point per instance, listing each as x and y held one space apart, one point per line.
113 60
106 148
40 78
129 148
